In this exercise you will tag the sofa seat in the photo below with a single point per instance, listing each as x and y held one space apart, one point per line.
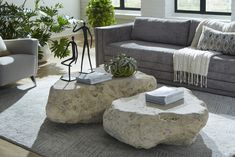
154 52
223 64
160 57
16 64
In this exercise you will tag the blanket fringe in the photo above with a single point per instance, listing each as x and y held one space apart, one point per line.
190 78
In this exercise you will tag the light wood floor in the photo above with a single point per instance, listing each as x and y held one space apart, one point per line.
8 149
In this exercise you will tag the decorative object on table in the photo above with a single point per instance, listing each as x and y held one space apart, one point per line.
72 59
94 78
100 13
86 31
121 66
164 95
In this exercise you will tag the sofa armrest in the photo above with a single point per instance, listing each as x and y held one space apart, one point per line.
22 46
110 34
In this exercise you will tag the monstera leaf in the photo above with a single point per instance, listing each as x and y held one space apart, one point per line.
59 48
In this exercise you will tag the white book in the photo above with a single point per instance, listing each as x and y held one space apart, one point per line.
93 78
165 95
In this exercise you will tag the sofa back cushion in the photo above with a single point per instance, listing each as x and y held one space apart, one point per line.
161 30
193 26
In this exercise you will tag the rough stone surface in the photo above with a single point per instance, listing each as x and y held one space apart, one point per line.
80 103
145 125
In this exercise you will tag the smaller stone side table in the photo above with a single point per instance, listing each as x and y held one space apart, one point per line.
145 125
80 103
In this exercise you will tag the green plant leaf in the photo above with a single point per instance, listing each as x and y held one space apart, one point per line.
121 66
100 13
59 48
20 22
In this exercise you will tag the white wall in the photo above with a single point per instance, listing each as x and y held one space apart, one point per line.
71 7
83 4
153 8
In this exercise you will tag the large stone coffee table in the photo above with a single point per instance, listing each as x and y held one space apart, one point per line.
80 103
145 125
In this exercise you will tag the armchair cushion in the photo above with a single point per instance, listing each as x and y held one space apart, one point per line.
3 48
21 63
15 67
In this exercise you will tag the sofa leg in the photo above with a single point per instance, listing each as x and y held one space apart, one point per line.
34 80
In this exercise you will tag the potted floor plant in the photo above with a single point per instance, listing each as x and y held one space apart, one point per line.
48 22
100 13
15 21
40 22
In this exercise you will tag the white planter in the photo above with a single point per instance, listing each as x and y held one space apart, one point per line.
46 53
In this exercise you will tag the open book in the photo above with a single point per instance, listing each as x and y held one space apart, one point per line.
165 95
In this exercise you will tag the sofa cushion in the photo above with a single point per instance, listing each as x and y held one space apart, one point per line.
222 64
193 26
161 30
144 51
217 41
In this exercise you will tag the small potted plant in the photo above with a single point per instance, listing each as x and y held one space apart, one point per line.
121 66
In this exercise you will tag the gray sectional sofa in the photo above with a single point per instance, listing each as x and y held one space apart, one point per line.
152 43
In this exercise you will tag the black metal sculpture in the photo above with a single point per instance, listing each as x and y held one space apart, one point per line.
74 58
86 31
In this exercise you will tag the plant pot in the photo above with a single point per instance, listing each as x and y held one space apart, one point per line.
121 66
46 53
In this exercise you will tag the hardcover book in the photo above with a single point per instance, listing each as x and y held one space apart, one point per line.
164 95
94 78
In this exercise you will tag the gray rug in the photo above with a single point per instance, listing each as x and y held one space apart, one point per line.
23 120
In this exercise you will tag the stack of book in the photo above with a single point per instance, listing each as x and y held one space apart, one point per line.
94 77
165 95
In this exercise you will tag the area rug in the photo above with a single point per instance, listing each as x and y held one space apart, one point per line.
23 121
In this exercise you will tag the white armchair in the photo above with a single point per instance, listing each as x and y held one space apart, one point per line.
22 63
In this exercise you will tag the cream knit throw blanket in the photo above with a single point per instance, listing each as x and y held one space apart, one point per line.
191 66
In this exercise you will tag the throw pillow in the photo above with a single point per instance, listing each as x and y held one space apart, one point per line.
217 41
220 26
3 48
